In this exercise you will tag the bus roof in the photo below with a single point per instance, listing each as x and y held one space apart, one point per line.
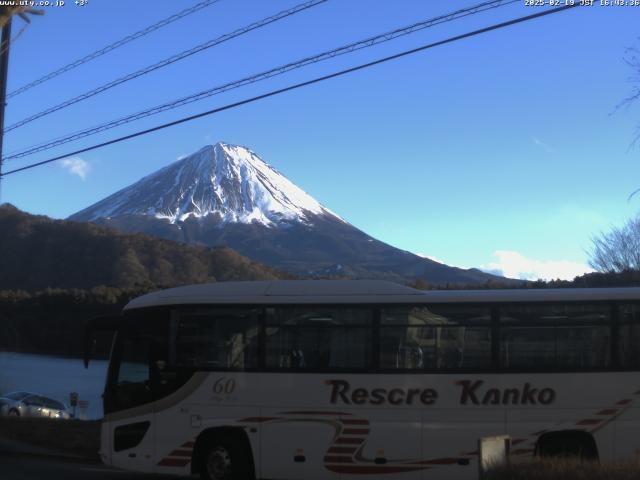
362 291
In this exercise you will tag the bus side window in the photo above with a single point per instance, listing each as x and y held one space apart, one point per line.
528 347
349 347
629 335
215 338
555 336
328 338
399 350
437 337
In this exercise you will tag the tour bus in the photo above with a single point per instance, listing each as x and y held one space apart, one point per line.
345 379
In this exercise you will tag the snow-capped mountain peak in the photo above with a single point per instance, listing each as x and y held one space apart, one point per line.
227 182
226 195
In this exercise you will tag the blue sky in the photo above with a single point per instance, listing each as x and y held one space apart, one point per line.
503 151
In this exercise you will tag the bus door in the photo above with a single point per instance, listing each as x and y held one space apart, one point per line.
128 402
101 328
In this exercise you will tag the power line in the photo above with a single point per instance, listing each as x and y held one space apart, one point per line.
129 38
168 61
368 42
300 85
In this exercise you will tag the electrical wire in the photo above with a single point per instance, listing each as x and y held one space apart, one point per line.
129 38
366 43
168 61
299 85
15 38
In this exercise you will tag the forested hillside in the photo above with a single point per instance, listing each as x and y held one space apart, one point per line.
39 253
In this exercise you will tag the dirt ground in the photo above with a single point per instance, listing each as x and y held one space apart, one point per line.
566 469
75 437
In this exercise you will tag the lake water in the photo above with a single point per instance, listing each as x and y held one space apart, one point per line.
54 377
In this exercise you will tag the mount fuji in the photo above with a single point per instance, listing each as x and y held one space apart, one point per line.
227 195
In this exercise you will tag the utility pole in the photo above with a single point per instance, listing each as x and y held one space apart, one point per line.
4 69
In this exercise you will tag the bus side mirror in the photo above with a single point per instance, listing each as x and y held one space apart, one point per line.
109 323
89 349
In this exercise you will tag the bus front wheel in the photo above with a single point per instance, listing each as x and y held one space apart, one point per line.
224 460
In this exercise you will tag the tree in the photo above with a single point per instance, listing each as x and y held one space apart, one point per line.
617 250
633 60
7 11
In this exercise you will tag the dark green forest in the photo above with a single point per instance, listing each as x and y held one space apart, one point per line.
626 278
38 253
52 321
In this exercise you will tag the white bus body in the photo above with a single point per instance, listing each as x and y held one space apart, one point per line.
367 379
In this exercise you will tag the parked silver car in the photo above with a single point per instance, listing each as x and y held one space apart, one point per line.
26 404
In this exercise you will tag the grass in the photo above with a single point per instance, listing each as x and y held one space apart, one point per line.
82 438
74 437
566 469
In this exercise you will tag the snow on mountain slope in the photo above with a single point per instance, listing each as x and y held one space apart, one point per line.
227 195
228 182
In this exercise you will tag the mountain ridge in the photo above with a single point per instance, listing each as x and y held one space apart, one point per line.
226 195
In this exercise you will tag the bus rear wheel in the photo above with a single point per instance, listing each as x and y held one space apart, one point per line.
224 460
567 444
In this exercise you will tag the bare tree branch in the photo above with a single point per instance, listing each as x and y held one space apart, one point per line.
617 250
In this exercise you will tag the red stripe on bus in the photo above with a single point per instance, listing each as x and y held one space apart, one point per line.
342 449
623 402
181 453
364 470
188 445
316 413
609 411
516 441
589 421
174 462
258 419
355 431
336 459
352 441
348 421
439 461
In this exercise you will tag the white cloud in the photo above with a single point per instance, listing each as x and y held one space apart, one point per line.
76 166
515 265
542 145
183 156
